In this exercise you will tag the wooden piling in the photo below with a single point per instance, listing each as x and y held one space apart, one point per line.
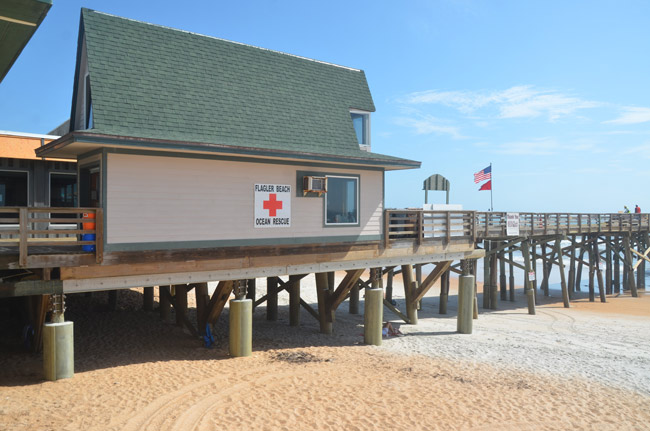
323 294
617 265
560 263
164 304
503 285
147 299
181 303
272 298
511 281
202 299
592 272
389 284
628 265
580 268
464 319
572 267
599 273
250 291
418 278
444 292
411 307
294 300
530 294
533 264
112 300
608 266
494 285
353 302
486 275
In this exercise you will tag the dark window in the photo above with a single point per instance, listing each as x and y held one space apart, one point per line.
63 190
89 105
13 189
342 201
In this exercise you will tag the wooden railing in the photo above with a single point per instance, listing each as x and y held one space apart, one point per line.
494 224
428 226
30 228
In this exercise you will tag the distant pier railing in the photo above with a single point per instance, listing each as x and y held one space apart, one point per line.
430 226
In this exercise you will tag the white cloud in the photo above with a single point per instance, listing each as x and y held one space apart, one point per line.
426 125
632 115
642 150
529 148
521 101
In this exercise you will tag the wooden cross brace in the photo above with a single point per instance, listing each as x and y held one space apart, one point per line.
643 256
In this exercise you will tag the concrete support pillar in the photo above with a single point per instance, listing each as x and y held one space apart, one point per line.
465 304
240 339
373 316
58 350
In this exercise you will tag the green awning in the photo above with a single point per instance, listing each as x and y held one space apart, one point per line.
19 19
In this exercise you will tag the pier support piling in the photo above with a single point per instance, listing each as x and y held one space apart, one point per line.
530 293
147 299
464 320
272 298
294 300
373 313
240 338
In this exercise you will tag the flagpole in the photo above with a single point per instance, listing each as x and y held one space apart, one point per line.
491 187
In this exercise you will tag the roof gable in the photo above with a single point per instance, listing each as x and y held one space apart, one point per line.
154 82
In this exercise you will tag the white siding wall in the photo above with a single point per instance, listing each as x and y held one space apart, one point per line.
156 199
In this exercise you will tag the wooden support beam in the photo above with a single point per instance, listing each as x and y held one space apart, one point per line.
572 267
628 264
494 285
294 300
272 301
217 302
324 302
250 290
164 304
345 286
180 301
511 278
608 268
395 310
530 294
389 283
147 299
185 321
309 309
422 290
112 300
503 285
560 262
409 294
486 275
444 292
202 299
617 267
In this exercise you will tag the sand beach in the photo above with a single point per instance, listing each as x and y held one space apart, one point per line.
587 367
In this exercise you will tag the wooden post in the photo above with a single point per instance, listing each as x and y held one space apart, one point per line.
580 260
533 265
250 292
560 263
494 285
572 267
389 285
530 294
353 302
474 270
444 292
599 272
272 298
502 275
617 266
592 272
486 276
628 265
511 281
202 299
147 299
240 336
165 306
608 265
465 304
640 270
323 294
411 307
181 303
418 278
294 300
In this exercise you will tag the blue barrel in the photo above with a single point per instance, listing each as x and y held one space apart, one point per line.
88 237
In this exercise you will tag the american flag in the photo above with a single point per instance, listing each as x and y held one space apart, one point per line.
483 175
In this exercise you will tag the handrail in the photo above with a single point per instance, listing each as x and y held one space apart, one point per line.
423 226
43 226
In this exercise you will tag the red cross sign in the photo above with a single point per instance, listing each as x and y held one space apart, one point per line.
273 204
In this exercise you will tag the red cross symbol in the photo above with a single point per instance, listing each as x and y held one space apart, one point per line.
272 204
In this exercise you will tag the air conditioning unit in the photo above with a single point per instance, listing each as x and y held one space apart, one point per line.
314 184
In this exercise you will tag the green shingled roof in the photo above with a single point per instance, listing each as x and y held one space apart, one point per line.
154 82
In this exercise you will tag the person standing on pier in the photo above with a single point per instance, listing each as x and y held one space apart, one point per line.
626 209
637 209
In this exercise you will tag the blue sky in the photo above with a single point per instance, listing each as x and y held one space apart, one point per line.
554 94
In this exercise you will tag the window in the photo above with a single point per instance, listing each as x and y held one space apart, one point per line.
361 123
13 189
342 201
63 190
